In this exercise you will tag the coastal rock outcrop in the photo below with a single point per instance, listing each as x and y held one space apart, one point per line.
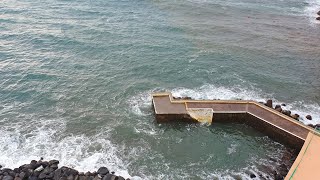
278 108
309 117
318 13
287 112
48 170
295 116
269 103
318 18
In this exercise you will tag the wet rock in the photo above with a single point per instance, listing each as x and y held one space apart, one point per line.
295 116
40 168
318 18
36 173
33 178
269 103
278 177
70 177
252 176
283 170
57 174
33 162
7 170
83 178
0 166
318 13
42 176
28 172
7 177
97 177
279 109
54 166
286 112
47 173
109 177
283 104
16 170
70 171
103 171
311 125
120 178
17 178
53 162
277 106
22 175
309 117
44 164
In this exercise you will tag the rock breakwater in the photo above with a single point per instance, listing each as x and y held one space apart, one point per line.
48 170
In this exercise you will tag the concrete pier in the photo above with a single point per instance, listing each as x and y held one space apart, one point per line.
274 124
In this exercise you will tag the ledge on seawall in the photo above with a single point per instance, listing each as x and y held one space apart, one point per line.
48 170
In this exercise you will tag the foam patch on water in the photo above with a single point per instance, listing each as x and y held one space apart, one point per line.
312 9
19 144
209 91
140 104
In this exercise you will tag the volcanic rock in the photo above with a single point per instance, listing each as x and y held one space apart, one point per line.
17 178
120 178
318 18
311 125
33 178
295 116
318 13
286 112
309 117
269 103
53 162
252 176
22 175
7 177
279 109
109 177
103 171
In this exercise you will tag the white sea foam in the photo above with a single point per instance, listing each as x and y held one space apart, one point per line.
19 144
140 104
311 10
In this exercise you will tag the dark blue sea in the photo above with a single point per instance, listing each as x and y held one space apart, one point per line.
76 78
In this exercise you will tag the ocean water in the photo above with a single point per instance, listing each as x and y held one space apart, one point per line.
76 78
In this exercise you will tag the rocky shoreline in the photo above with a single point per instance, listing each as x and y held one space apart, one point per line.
48 170
297 117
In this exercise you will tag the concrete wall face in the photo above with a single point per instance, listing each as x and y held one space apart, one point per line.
274 132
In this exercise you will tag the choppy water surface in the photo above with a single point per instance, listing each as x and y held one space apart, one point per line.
76 78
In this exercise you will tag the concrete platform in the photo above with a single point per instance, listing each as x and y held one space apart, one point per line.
276 125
